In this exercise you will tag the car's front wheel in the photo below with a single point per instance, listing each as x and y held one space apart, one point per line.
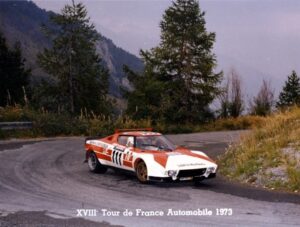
94 165
141 172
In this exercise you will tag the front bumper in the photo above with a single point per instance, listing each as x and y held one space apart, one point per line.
186 178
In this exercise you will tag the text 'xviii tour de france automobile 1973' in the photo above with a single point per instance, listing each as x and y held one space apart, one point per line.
150 155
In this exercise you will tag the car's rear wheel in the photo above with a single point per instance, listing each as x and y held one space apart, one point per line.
141 172
94 165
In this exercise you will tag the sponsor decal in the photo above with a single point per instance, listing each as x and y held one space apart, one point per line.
191 164
150 133
128 155
117 155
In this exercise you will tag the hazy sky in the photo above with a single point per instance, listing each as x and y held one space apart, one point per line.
259 38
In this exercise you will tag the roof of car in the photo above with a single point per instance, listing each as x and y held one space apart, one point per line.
140 133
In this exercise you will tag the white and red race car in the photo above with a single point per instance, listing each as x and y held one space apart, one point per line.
150 155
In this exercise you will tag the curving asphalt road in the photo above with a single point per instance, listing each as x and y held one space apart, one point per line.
46 181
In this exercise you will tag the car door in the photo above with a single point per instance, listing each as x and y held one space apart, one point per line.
121 153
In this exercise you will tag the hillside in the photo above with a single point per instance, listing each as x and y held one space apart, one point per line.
21 21
269 156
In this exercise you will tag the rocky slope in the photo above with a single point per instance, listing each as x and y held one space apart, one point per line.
21 21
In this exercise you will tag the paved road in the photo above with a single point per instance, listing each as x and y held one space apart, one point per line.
48 178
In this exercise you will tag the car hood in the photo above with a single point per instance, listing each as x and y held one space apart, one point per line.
184 159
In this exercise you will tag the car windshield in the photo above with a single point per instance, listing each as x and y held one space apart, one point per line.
154 143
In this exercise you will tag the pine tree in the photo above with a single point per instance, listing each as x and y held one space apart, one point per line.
184 62
14 77
72 59
145 100
290 94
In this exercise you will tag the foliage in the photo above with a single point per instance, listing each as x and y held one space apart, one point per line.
14 113
230 123
82 82
263 103
47 123
55 124
14 76
263 149
145 100
180 69
231 98
290 94
46 94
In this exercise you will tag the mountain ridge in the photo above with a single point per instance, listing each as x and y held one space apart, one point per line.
20 21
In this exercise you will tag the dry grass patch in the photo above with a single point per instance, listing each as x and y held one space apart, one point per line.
270 155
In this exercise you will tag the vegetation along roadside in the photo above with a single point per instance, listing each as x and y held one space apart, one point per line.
269 156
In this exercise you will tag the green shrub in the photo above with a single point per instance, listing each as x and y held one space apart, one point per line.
14 113
49 125
88 124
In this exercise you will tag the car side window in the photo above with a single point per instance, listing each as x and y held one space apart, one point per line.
122 140
127 141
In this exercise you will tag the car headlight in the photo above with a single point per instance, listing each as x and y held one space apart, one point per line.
211 170
172 173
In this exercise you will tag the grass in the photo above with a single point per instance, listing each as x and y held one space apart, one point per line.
242 122
47 124
269 156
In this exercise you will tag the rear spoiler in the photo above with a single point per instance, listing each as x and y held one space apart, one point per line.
132 130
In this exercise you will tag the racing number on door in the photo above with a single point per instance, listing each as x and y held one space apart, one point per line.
117 155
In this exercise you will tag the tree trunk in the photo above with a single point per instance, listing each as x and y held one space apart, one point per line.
71 98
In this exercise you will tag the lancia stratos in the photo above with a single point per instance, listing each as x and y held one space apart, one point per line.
149 155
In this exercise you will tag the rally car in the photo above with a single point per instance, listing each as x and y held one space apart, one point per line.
150 155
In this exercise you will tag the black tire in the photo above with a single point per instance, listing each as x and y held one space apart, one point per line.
141 172
94 165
